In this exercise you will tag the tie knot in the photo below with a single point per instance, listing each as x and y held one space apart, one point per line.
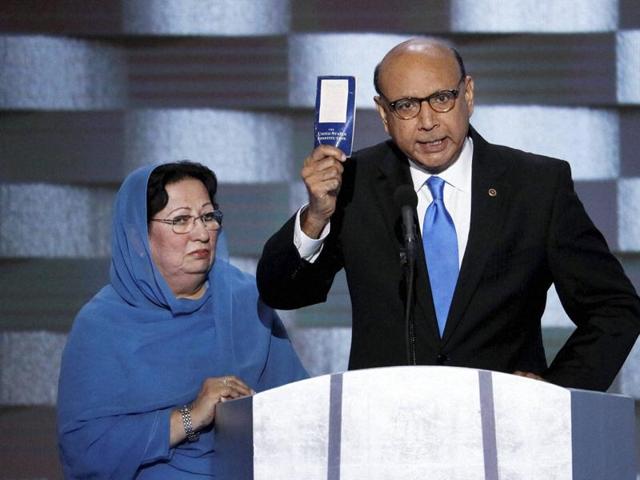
436 186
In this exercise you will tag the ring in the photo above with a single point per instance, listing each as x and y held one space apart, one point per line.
225 382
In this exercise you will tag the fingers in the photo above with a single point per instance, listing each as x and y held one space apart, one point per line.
322 171
532 375
213 391
217 388
322 180
325 151
233 387
322 175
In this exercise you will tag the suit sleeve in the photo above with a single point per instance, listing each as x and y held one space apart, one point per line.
595 293
286 281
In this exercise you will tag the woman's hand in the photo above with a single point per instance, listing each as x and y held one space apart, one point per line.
203 410
213 391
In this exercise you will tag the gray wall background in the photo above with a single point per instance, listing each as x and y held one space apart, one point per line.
91 89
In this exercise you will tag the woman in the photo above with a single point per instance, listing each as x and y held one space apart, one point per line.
173 334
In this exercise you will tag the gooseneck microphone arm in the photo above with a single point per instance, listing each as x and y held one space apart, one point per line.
405 197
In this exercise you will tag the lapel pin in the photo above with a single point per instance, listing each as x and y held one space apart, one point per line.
492 192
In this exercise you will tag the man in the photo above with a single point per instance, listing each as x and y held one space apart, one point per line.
500 226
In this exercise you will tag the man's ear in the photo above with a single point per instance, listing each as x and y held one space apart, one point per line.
468 94
382 112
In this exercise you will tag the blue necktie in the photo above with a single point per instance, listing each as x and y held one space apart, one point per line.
441 251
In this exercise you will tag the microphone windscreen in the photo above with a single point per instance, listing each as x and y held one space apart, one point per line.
405 196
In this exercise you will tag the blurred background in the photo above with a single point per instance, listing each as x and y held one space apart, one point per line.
91 89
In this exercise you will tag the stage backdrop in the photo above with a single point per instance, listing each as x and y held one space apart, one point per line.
90 90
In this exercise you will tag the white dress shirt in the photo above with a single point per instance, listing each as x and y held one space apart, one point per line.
457 193
457 200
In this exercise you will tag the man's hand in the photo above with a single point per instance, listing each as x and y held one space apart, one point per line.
322 175
520 373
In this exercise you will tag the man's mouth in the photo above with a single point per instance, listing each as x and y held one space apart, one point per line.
432 145
432 142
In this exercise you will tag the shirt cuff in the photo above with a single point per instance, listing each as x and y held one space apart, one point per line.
308 248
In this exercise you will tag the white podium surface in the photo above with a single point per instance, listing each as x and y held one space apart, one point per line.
426 422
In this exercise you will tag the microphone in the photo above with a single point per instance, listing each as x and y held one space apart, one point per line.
406 198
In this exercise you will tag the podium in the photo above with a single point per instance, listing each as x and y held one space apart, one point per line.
425 422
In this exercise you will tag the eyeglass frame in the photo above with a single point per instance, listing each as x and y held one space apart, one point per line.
217 216
454 92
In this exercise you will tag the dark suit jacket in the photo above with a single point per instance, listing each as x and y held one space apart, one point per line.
532 233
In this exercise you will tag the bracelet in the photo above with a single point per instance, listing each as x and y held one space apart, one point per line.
185 412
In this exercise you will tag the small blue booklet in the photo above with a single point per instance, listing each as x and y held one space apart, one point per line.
335 112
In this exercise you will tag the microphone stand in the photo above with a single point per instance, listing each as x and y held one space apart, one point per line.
409 261
408 319
405 198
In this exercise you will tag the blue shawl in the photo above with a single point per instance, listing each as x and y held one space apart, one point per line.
135 352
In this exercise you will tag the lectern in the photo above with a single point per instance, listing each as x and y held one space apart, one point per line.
426 422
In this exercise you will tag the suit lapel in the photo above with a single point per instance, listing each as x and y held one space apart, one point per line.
489 196
393 171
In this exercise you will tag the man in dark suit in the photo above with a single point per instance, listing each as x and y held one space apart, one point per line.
499 226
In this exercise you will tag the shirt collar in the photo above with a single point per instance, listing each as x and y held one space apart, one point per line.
457 175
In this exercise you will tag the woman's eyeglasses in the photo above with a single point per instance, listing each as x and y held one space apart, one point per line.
185 223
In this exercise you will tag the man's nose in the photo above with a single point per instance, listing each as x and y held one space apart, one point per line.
427 117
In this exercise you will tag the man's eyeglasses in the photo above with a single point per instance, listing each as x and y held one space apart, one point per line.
409 107
185 223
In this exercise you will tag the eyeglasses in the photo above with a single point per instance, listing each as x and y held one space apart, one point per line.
185 223
409 107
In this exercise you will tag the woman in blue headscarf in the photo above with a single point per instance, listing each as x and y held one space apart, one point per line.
175 332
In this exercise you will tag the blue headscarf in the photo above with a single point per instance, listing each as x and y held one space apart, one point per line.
135 352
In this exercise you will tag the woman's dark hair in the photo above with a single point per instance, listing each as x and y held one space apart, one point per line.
169 173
